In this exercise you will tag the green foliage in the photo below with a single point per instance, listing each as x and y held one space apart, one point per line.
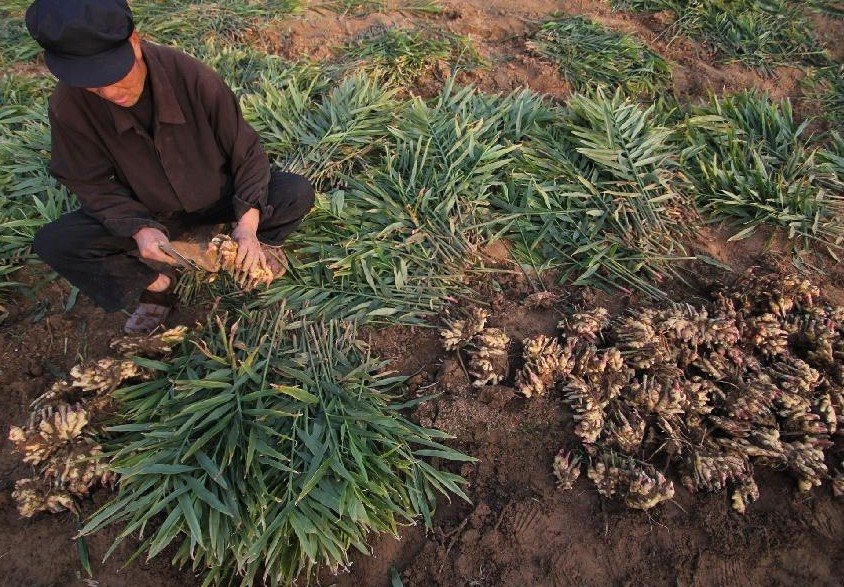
6 286
404 55
184 23
29 196
595 195
364 7
189 25
759 33
826 85
646 5
420 7
16 46
589 54
243 68
747 160
356 7
19 92
831 160
423 186
830 7
394 239
266 451
321 128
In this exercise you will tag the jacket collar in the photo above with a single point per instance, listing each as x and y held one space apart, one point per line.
166 106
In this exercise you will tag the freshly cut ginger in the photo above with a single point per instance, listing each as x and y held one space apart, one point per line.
224 250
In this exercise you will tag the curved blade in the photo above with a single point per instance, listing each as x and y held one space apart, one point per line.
190 256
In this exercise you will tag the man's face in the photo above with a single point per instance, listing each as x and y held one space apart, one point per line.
128 90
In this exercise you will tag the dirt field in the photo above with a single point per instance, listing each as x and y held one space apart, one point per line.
519 530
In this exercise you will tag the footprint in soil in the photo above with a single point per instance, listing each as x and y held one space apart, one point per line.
563 561
827 519
523 522
578 566
716 570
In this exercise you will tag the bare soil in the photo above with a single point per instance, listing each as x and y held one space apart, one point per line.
519 529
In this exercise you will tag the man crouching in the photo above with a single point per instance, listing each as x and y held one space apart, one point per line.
153 143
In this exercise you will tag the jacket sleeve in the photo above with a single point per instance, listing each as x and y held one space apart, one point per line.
250 167
83 166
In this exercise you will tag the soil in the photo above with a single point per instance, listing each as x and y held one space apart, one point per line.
519 529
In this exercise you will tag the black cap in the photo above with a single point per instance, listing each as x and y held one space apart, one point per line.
86 42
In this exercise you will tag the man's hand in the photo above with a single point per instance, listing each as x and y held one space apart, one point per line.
249 252
149 241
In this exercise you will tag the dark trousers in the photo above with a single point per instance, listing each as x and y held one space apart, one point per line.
107 269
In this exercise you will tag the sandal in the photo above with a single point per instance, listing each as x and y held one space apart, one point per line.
153 309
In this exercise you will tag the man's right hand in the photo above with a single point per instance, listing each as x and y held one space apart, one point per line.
149 242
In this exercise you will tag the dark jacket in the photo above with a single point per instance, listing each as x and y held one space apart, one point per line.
202 150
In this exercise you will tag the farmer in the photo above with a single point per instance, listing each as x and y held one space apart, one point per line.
152 142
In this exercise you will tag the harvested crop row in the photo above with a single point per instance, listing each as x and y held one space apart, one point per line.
697 394
755 379
62 438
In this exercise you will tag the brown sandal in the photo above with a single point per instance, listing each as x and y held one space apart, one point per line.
153 309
